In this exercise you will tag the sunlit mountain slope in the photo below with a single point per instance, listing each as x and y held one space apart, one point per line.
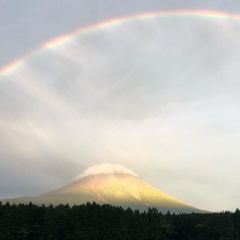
110 184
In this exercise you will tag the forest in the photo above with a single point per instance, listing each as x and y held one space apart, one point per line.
105 222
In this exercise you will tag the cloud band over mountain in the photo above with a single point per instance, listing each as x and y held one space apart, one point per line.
106 168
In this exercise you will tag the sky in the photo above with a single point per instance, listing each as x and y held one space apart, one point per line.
158 95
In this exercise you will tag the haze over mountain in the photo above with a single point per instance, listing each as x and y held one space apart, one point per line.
110 184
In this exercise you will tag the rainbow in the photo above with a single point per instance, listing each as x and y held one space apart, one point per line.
54 43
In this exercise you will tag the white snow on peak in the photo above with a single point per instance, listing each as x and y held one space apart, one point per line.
106 168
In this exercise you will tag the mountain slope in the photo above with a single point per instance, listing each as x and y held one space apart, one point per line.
115 187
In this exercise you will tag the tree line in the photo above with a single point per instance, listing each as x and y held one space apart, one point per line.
92 221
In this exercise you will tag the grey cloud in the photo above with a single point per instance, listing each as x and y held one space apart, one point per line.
27 24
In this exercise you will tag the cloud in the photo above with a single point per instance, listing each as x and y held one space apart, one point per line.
105 168
58 17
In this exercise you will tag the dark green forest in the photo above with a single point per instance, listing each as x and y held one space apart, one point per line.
105 222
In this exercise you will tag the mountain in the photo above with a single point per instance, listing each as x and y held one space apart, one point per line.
110 184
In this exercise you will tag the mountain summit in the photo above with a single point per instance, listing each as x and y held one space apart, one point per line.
110 184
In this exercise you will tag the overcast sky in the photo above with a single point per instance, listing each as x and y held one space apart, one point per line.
159 96
26 24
